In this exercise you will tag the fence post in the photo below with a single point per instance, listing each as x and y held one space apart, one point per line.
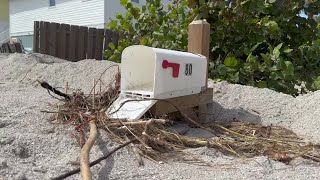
199 43
36 36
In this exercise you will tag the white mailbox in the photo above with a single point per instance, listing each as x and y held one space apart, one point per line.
153 73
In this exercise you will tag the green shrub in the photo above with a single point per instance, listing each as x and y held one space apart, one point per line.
255 42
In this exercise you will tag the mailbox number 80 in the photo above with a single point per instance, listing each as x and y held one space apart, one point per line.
188 70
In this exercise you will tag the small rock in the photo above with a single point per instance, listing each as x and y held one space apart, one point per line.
21 151
3 163
48 131
20 176
39 169
6 140
3 124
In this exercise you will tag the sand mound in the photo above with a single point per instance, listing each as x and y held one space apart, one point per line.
27 68
31 147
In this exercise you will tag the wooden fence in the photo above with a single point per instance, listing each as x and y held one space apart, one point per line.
9 47
71 42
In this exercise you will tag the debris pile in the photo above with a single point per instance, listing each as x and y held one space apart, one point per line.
152 137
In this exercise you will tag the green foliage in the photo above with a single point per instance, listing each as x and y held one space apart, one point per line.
151 25
253 42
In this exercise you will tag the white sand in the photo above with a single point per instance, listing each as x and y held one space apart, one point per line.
32 148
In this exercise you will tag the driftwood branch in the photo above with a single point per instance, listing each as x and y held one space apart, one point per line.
84 156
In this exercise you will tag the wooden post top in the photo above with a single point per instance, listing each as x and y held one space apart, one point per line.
199 40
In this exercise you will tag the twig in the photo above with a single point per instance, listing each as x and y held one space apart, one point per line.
145 133
75 171
67 87
45 111
115 65
84 156
94 93
135 151
162 121
29 71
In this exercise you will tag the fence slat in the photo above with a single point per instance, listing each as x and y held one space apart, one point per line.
99 44
12 48
53 31
107 38
83 39
91 43
68 42
42 38
74 45
18 47
36 37
62 41
46 33
115 38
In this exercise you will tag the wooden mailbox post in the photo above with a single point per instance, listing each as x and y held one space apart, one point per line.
198 43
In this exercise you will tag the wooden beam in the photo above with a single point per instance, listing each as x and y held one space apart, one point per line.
199 43
184 102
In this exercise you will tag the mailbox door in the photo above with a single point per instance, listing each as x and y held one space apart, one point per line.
178 74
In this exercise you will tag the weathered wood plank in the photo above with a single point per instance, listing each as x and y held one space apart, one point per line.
46 37
183 102
91 43
83 38
74 45
115 38
18 47
12 48
68 35
199 42
42 38
53 48
36 34
62 41
99 44
107 38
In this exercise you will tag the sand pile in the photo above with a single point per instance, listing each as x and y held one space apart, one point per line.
32 148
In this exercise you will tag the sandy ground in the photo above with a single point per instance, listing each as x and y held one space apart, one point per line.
32 148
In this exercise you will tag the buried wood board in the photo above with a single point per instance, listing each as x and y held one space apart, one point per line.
184 102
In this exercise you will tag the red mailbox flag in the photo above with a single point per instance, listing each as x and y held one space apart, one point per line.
175 67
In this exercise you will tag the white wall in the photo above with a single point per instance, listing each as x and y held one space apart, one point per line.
112 7
75 12
4 21
4 31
